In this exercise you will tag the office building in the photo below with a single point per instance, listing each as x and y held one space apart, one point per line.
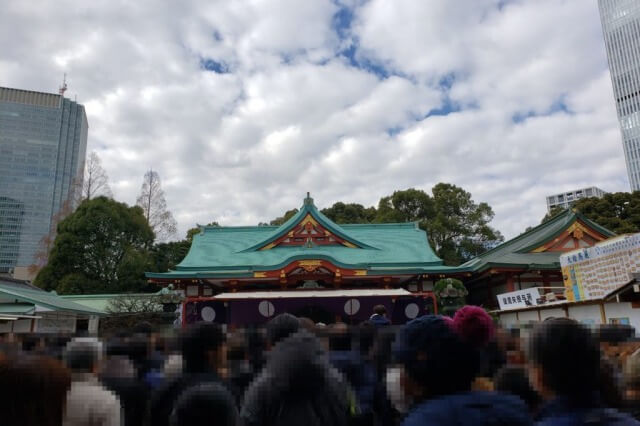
43 140
566 199
621 29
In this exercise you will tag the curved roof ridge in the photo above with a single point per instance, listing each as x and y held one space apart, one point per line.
308 208
553 220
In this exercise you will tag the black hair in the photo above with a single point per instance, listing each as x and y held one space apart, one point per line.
205 404
340 339
197 341
514 380
281 326
569 357
380 309
143 327
83 354
615 333
435 357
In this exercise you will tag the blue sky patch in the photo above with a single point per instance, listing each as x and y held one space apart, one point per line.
209 64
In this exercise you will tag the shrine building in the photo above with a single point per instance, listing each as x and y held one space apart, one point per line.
312 267
309 266
531 259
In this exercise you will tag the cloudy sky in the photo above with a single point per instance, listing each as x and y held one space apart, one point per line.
244 106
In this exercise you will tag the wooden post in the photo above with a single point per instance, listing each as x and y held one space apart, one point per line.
489 292
510 286
546 282
603 315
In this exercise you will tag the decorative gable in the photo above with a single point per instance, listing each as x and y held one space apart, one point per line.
308 232
578 235
308 228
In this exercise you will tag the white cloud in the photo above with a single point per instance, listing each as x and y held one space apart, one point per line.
291 109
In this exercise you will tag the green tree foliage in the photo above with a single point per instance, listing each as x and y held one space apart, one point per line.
350 213
619 212
410 205
167 255
282 219
459 228
101 247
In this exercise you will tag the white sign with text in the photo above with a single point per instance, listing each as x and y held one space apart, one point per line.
519 299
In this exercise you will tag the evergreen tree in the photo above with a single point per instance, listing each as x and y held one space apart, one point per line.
100 248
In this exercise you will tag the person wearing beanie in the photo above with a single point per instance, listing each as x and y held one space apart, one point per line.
438 359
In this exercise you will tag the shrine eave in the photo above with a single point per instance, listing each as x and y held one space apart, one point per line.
367 273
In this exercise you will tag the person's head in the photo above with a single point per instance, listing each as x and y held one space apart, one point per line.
339 337
34 390
205 404
203 347
83 354
380 310
612 338
307 324
31 343
143 327
298 365
236 347
440 355
514 380
565 360
280 327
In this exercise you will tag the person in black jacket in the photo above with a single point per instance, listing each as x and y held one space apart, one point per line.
298 386
566 365
204 355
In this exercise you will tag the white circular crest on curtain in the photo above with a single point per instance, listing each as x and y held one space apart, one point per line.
411 310
266 308
351 306
208 314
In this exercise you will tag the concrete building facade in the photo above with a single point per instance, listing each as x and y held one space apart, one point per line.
566 199
621 29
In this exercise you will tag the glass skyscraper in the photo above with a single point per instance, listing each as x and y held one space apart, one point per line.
621 28
43 141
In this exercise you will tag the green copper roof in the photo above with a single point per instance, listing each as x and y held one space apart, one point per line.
17 308
235 251
101 302
516 252
22 294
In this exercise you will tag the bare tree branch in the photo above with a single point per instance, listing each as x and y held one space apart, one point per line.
96 181
154 206
134 304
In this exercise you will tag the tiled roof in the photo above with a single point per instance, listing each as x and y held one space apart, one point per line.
517 251
22 293
235 251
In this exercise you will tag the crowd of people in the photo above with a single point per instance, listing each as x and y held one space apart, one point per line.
434 370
